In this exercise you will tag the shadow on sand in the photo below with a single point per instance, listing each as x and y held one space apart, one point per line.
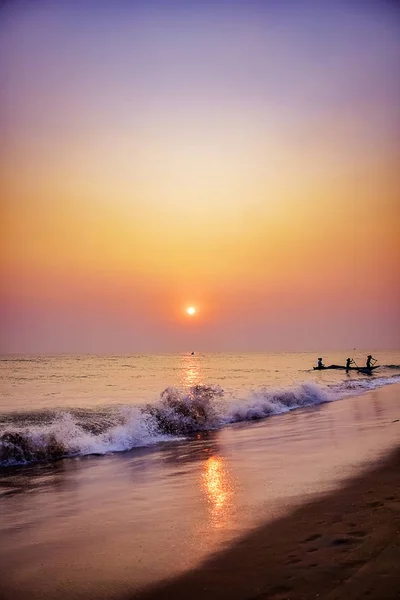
345 545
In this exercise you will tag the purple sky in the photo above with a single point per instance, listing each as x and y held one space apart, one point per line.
240 157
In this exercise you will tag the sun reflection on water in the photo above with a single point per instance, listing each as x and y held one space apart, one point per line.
191 371
219 489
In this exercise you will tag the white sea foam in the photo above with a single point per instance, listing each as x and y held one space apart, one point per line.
65 437
177 413
266 402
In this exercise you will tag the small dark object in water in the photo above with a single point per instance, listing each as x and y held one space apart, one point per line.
359 369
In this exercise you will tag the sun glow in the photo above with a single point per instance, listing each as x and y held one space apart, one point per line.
191 310
219 489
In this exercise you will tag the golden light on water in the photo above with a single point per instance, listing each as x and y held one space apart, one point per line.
219 489
191 371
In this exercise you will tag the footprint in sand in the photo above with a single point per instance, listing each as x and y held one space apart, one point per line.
293 560
342 541
312 538
359 533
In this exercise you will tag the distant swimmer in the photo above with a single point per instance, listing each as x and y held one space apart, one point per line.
349 362
320 364
192 354
370 358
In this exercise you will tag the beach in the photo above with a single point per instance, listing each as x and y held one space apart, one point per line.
343 546
303 501
199 342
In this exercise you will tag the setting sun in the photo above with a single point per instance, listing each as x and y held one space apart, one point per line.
191 310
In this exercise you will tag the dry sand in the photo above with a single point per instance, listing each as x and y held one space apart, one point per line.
342 546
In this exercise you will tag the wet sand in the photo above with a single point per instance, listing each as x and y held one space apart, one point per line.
216 516
343 546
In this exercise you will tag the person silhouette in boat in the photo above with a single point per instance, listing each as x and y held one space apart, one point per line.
349 362
320 364
370 358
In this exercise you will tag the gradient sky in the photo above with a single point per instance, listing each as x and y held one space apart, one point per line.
240 157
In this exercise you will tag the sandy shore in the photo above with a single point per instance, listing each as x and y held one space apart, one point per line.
345 545
216 516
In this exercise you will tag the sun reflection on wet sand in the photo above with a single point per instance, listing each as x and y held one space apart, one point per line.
219 489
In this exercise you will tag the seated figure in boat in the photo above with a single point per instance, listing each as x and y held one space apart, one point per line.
320 364
349 362
370 358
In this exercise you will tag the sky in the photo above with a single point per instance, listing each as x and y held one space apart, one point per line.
239 157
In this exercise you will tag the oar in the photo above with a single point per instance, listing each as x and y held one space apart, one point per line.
360 368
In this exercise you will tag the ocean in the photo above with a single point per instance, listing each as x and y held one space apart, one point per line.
119 472
60 406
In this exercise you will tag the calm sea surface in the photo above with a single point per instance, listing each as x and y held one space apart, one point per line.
47 382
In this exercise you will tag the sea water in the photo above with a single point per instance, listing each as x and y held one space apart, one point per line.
57 406
120 471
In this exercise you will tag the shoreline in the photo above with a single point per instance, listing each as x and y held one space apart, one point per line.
22 450
222 517
343 545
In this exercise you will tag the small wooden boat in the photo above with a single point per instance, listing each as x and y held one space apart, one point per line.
344 368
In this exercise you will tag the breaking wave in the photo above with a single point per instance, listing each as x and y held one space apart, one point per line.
41 436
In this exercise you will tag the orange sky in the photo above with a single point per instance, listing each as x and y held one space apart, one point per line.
153 160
